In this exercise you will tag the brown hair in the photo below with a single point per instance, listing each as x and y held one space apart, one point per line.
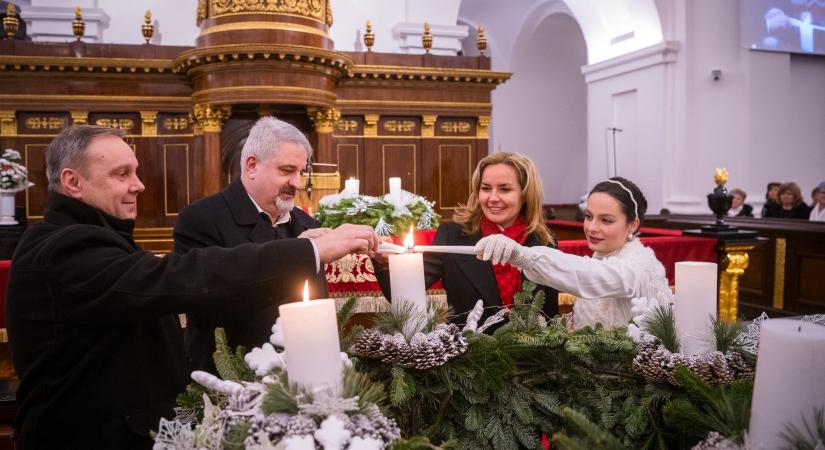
68 149
793 188
469 215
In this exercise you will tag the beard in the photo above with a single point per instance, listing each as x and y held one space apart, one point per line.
285 205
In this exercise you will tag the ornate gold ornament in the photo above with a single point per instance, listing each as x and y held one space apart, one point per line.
210 117
147 28
78 26
428 122
80 117
149 122
452 127
734 263
427 38
201 13
45 123
481 40
319 10
369 36
371 125
324 119
720 176
11 23
121 124
399 126
346 125
8 123
779 273
482 129
176 123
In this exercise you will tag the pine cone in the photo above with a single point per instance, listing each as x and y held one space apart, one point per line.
300 425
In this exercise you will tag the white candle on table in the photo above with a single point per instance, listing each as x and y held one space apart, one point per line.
311 343
407 276
395 186
457 249
695 305
788 384
352 186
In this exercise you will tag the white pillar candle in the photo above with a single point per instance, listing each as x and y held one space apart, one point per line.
311 344
788 384
695 305
352 186
407 276
395 186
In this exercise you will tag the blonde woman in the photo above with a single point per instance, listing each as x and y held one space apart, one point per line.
505 198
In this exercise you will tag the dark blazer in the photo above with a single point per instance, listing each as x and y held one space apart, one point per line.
746 211
466 279
227 219
93 329
800 211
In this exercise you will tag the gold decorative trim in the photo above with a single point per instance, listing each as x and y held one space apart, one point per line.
80 117
424 103
429 73
86 64
384 164
384 136
428 125
235 89
371 125
734 264
211 117
26 162
399 126
440 175
8 123
779 274
324 119
122 123
254 26
149 121
268 13
81 98
233 52
307 9
357 158
482 129
455 126
165 180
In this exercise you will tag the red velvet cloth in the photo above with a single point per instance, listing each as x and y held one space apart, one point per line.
508 278
5 265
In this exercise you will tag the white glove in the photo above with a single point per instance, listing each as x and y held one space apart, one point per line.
500 249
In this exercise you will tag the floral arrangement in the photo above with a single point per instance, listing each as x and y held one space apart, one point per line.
389 214
13 175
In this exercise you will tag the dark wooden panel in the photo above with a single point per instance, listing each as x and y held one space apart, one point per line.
176 179
42 123
399 159
455 168
171 123
34 157
348 157
130 122
399 126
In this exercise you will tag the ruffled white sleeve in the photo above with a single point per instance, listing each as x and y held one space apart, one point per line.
581 276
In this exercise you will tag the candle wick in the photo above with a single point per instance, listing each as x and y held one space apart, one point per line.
799 329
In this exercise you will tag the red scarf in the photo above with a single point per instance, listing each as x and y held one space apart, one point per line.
508 277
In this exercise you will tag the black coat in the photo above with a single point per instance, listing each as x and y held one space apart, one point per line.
227 219
800 211
746 211
466 279
93 329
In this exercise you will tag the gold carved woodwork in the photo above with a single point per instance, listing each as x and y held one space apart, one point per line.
45 123
399 126
346 125
427 38
8 123
121 124
176 123
371 125
78 25
453 127
201 13
147 28
482 129
149 119
210 117
428 125
779 273
734 263
318 10
324 119
430 74
80 117
369 36
481 41
11 23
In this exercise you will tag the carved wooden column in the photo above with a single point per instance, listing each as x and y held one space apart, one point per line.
733 260
80 117
210 119
483 136
324 121
8 123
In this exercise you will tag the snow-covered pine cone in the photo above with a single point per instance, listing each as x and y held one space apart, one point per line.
274 425
301 425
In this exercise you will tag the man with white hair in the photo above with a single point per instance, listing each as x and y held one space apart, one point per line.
258 207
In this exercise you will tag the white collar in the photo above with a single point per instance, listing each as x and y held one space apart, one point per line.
284 218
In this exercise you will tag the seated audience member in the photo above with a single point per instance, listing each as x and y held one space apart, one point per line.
505 199
790 204
622 272
738 207
93 320
818 209
258 207
771 197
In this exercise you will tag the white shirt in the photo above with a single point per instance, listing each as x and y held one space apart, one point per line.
285 218
734 211
604 284
818 213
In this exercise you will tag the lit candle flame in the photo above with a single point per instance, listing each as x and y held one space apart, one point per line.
306 291
408 241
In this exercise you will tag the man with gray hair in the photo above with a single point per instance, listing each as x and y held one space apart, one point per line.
92 319
258 208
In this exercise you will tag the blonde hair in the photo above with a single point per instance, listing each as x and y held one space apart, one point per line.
469 215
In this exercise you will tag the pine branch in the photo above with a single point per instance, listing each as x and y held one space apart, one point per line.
345 314
662 324
280 397
726 334
797 439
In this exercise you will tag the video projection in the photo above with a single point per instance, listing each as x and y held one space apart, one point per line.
796 26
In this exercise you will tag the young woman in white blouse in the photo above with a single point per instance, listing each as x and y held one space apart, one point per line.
623 279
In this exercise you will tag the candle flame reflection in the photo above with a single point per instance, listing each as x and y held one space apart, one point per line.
306 291
408 241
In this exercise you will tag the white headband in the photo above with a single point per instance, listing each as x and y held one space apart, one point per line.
633 199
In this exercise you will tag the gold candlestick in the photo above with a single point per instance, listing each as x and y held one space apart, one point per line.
147 28
481 40
427 38
78 26
11 23
369 36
